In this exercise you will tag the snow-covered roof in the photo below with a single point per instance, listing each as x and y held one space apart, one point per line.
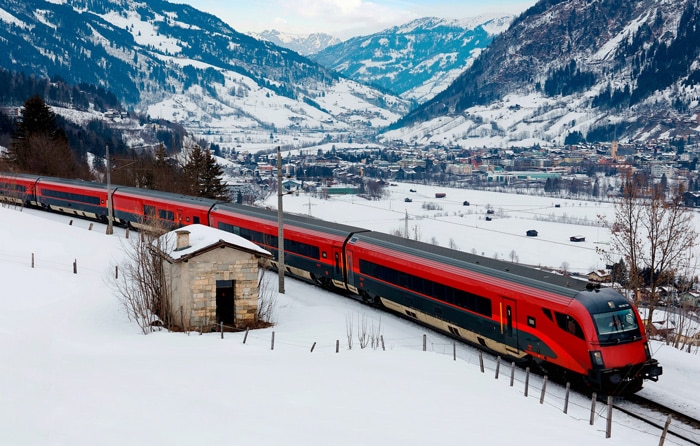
202 237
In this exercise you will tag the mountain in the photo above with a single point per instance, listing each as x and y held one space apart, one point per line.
416 60
302 44
574 70
174 62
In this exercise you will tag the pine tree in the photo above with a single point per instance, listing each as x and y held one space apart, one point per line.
203 175
39 146
212 183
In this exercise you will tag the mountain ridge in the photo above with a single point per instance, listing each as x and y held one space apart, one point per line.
607 69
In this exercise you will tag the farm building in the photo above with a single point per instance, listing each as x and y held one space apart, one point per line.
213 277
531 233
600 276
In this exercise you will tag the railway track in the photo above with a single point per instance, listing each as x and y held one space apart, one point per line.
682 427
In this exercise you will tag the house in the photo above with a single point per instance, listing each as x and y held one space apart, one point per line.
531 233
599 276
212 275
577 238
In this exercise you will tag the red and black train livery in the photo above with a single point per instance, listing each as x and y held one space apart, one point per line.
531 316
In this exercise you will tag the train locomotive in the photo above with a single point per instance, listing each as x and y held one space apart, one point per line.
562 325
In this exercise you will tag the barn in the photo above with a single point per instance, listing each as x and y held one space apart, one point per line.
213 277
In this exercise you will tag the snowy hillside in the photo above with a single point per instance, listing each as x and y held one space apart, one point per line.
74 370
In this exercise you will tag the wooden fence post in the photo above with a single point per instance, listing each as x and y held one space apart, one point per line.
272 343
90 227
382 338
312 347
527 379
337 345
512 373
608 425
544 389
75 266
116 272
32 260
245 336
566 397
662 440
593 398
454 351
481 362
221 329
425 343
498 366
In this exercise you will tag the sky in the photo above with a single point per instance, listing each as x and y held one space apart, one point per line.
344 18
74 370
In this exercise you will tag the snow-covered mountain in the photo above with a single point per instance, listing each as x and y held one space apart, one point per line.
569 70
416 60
177 63
302 44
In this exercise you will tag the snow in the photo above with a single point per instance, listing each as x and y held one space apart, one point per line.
201 237
74 370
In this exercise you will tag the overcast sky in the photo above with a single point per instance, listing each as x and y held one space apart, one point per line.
344 18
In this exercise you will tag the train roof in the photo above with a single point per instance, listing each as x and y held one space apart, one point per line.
533 277
150 193
24 176
298 220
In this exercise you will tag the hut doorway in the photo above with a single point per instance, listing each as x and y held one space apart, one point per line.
225 303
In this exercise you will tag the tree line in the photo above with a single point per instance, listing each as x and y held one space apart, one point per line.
37 144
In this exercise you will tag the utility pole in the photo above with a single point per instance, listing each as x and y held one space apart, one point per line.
110 225
280 224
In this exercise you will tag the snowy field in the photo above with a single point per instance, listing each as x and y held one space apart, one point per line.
466 227
74 370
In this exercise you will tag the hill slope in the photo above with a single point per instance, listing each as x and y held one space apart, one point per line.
606 69
175 62
416 60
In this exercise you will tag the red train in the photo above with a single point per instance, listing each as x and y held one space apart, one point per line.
562 325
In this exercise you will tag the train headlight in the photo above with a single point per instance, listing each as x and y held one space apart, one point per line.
597 359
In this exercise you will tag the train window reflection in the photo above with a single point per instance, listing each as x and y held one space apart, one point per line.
615 322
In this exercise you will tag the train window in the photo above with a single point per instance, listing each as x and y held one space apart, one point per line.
531 322
70 196
229 228
569 324
166 215
13 187
149 211
195 219
460 298
547 312
303 249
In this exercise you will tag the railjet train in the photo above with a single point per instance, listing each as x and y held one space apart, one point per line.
566 327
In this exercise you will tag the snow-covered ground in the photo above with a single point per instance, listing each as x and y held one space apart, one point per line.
74 370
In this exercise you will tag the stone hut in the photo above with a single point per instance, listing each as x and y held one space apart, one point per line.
213 277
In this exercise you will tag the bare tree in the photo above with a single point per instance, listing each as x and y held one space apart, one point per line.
141 285
348 330
653 235
267 298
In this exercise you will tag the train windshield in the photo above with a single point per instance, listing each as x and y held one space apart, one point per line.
617 326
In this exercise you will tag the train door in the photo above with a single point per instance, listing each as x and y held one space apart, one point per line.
337 274
508 322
